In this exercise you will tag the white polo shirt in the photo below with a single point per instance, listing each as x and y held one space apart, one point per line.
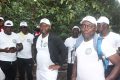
70 42
7 41
89 67
27 41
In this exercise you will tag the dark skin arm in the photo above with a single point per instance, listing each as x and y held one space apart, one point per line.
9 50
115 60
54 67
74 71
5 50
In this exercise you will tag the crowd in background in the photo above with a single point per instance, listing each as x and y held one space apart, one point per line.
92 51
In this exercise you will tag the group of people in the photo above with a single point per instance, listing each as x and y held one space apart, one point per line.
92 49
96 51
15 51
20 51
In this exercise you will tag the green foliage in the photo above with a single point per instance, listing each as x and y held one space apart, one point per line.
63 14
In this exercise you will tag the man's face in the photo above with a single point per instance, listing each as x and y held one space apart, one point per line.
88 29
44 28
101 27
75 32
7 30
24 29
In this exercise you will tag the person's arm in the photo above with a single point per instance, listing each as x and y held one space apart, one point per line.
115 60
5 50
19 46
74 71
61 48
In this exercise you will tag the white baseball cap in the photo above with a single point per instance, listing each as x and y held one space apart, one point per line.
103 19
45 20
1 18
8 23
23 23
90 19
76 27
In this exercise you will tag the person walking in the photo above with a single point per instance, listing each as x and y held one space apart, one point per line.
69 43
9 45
50 52
25 61
88 65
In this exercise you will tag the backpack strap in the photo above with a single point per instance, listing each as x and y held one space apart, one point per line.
100 53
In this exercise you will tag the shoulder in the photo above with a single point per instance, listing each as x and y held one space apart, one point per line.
68 39
31 35
14 34
53 36
114 34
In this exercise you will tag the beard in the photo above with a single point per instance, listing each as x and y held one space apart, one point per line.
87 37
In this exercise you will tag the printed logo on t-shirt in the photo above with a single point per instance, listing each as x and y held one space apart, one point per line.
88 51
14 41
28 40
45 44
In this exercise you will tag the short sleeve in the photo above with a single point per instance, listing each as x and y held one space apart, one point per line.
66 42
32 37
107 48
17 38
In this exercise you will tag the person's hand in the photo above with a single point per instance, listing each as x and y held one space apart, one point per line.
6 50
54 67
12 49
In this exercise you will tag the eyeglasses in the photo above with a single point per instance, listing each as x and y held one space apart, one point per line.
88 26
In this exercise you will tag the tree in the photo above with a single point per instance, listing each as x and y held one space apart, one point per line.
63 14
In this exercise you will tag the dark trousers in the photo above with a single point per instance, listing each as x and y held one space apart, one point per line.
69 71
108 71
9 69
25 66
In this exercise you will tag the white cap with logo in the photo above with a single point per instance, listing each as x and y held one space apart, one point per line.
90 19
1 18
23 23
8 23
103 19
46 21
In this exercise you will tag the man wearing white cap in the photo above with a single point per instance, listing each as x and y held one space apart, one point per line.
1 23
50 52
88 66
112 37
9 45
25 60
69 43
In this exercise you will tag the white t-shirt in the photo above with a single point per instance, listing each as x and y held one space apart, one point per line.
8 41
27 41
114 39
70 42
44 61
89 67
